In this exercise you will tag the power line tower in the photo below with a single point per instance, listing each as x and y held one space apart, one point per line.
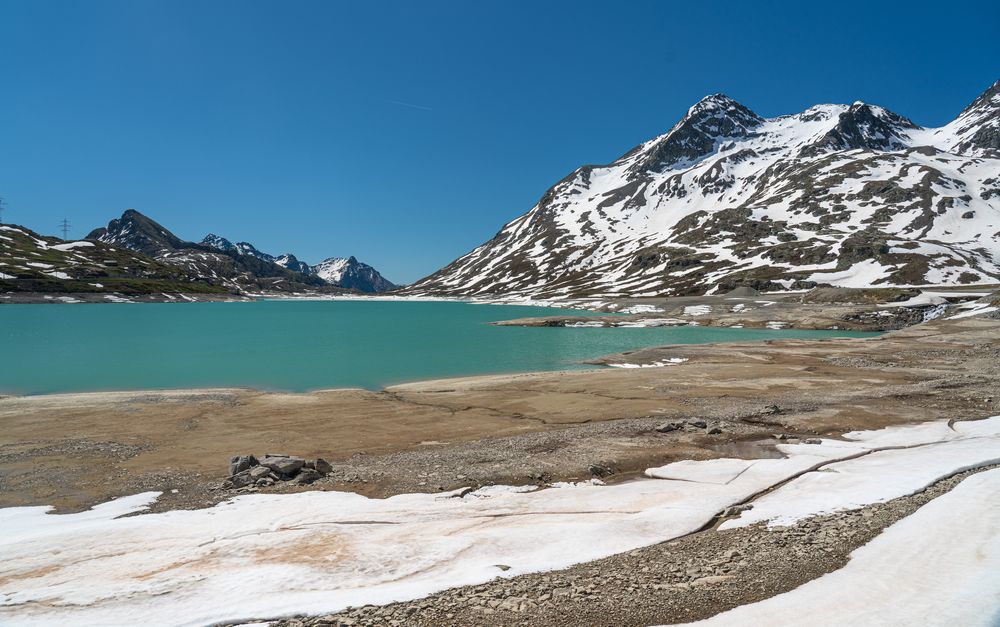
3 206
64 225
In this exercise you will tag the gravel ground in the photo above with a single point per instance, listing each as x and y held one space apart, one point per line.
690 578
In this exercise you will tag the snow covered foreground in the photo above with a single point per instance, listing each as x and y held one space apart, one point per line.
261 556
936 568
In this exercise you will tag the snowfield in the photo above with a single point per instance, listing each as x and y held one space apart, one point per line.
935 568
337 549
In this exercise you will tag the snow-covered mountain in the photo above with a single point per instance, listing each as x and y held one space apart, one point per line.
352 274
348 273
240 248
849 195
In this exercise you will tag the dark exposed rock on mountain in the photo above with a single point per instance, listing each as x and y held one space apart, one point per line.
230 268
289 261
30 262
839 195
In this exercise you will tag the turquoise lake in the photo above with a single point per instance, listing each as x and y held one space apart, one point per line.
301 345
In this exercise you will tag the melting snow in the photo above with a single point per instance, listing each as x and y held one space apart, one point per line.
697 310
638 309
193 567
936 568
671 361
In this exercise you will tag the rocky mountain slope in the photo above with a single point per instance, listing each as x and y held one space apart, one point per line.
845 195
30 262
348 273
231 268
352 274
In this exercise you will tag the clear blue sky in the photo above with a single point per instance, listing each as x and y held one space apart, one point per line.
407 133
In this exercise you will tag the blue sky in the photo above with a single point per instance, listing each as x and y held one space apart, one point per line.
407 133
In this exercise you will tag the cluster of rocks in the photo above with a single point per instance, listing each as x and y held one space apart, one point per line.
247 470
688 425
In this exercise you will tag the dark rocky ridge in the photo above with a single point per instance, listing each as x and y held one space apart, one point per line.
231 268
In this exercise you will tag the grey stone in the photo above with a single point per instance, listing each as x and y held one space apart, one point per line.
667 427
700 424
241 479
259 472
714 431
322 466
239 463
307 476
283 464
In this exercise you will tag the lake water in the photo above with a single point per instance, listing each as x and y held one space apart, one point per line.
301 345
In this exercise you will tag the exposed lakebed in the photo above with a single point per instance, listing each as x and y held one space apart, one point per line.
303 345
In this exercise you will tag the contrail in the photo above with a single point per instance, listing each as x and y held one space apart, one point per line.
406 104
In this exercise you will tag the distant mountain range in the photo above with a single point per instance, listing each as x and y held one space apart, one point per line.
844 195
345 272
238 266
30 262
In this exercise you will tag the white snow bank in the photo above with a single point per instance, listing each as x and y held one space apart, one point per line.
638 309
906 459
670 361
697 310
935 568
974 309
72 245
330 550
923 299
647 323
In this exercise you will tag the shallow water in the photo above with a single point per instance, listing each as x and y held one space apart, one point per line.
301 345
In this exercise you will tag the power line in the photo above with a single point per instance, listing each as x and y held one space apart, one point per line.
64 225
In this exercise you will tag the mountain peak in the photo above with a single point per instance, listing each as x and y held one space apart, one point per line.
138 232
217 241
989 99
711 120
722 106
863 126
714 101
352 274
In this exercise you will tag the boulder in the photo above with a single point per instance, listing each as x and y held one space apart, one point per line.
259 472
283 464
667 427
322 466
239 463
307 476
241 479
